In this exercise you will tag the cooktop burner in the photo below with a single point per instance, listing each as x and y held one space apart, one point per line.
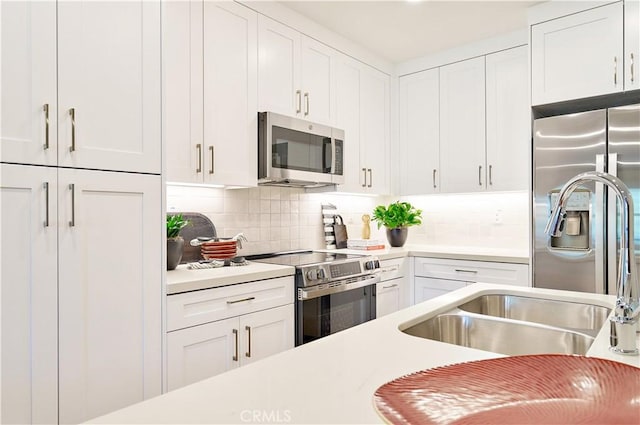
299 258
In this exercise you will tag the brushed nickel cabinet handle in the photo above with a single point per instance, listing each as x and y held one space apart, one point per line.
434 178
632 76
242 300
466 271
364 171
390 286
480 175
370 177
72 188
235 354
45 186
306 103
45 108
72 112
211 169
199 150
490 178
299 96
615 71
248 329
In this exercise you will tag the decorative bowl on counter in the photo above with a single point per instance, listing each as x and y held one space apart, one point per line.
219 250
538 389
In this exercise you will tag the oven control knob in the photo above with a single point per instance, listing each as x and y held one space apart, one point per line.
369 265
312 274
321 274
376 264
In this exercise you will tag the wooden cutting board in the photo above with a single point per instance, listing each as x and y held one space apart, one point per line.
200 226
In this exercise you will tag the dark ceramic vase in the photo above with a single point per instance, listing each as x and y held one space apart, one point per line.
398 236
174 252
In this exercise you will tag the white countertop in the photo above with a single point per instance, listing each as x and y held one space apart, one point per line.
333 380
449 252
183 279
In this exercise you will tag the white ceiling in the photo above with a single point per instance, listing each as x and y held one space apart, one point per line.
399 30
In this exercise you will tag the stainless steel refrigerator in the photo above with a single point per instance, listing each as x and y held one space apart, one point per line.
585 257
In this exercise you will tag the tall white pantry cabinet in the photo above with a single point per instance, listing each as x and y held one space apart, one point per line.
80 196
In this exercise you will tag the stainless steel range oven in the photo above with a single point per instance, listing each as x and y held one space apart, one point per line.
333 291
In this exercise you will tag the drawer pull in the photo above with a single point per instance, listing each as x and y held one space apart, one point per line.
242 300
390 269
390 286
466 271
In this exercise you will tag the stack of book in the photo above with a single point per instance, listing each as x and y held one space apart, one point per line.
365 244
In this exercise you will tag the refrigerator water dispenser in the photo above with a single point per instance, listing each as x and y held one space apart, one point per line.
576 224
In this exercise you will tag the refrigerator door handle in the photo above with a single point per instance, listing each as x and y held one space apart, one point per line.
600 231
611 227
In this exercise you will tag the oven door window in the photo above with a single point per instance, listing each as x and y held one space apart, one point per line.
333 313
295 150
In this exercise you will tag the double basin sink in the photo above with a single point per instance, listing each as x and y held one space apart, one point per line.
516 325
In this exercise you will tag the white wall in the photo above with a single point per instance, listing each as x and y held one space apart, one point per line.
275 219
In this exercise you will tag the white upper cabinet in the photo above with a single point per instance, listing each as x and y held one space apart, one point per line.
210 55
295 73
508 120
632 45
462 126
77 93
109 85
420 132
362 111
28 132
578 55
29 291
230 94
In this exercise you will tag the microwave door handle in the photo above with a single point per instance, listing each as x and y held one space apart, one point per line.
333 155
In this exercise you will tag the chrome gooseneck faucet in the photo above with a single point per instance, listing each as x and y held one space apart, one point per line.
624 322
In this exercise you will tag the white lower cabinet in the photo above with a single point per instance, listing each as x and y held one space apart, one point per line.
436 276
81 312
255 320
392 292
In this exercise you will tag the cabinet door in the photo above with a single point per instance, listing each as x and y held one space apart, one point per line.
109 85
110 287
182 90
388 297
29 294
508 120
374 129
197 353
230 94
462 126
318 68
420 132
427 288
348 76
632 45
577 56
278 68
28 132
265 333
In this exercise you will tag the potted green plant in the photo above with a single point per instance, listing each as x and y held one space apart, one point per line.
397 217
175 242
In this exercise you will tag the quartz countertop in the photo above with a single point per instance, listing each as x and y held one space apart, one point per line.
332 380
499 255
183 279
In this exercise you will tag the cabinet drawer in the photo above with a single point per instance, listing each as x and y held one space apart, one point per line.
428 288
473 271
393 268
194 308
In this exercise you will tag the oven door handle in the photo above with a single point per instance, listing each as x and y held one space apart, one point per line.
310 293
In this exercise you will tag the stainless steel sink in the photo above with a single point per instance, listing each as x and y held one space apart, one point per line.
584 318
500 335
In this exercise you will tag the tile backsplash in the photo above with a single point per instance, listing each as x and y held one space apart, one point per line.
276 219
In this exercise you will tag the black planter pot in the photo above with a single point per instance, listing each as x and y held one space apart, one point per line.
174 252
398 236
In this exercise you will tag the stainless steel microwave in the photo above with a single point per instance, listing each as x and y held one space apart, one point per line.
294 152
